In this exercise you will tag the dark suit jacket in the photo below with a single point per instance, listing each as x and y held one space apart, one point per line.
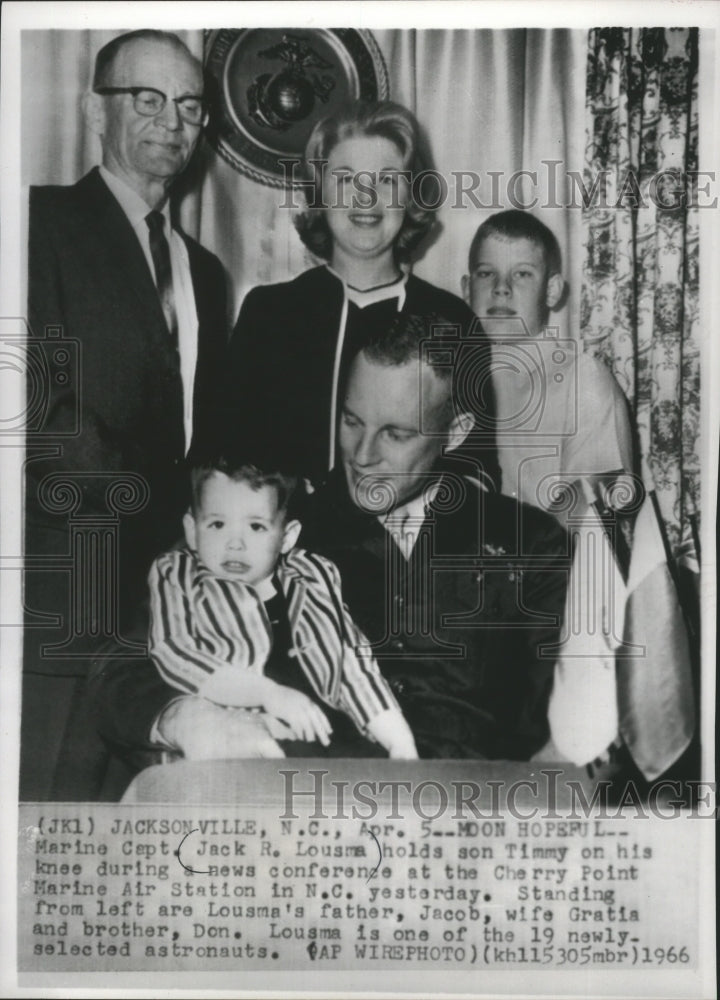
112 404
88 276
282 355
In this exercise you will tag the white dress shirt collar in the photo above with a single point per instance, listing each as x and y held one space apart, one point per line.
403 523
135 207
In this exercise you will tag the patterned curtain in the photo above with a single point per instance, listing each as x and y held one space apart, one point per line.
639 308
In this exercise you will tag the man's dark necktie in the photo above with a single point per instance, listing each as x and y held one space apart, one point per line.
160 251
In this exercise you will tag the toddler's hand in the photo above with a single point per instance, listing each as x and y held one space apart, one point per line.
277 729
391 730
403 749
303 716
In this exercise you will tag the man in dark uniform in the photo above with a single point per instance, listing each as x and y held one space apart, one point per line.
458 589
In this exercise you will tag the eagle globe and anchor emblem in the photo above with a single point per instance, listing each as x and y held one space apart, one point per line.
279 100
272 85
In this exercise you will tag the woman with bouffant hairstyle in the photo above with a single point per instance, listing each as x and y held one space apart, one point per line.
388 121
293 342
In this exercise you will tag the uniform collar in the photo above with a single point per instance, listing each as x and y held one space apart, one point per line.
415 509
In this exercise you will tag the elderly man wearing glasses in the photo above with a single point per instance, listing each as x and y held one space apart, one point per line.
110 272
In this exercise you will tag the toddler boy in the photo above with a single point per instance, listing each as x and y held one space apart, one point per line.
243 618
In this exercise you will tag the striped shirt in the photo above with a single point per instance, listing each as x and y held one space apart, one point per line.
201 623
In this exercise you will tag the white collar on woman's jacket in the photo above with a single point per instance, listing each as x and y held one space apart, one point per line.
381 293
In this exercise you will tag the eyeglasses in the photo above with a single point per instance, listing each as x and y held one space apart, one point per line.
150 102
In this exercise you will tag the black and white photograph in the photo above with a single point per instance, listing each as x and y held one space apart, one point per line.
359 449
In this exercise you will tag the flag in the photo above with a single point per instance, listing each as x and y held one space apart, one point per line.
656 705
583 709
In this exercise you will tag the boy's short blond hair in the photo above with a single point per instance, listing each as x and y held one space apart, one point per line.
518 225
